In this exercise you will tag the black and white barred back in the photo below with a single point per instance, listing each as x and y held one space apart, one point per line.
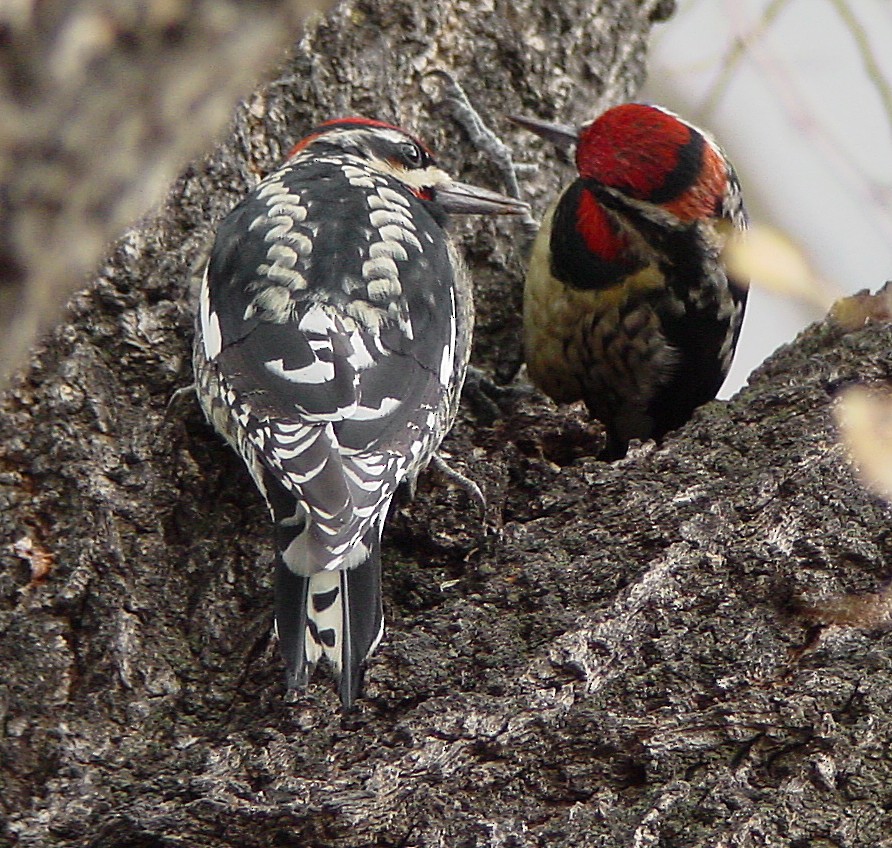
332 341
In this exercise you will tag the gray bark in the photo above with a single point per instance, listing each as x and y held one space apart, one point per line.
102 103
630 657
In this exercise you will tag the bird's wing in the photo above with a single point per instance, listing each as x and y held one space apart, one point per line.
344 382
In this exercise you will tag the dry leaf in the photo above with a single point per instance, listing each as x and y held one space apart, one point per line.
868 611
853 312
769 259
38 558
864 418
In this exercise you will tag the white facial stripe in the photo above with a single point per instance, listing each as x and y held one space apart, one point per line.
416 178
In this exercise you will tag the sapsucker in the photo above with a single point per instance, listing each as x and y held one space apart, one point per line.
332 339
628 304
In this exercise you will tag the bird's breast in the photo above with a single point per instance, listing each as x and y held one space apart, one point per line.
574 336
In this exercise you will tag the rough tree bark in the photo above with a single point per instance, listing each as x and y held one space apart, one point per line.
635 654
102 102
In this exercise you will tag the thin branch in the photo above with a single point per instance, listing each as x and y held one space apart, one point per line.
737 51
871 66
790 97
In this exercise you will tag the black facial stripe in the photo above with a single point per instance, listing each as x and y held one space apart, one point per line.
572 261
685 172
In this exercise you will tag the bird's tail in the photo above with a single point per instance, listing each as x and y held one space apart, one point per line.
333 614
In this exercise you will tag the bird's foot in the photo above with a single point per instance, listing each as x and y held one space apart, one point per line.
178 398
488 398
470 488
486 141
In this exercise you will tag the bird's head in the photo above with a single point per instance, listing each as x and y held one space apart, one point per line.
648 154
395 152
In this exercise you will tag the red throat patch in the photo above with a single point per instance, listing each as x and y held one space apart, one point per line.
599 233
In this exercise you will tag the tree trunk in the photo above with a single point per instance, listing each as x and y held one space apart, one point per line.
632 654
102 103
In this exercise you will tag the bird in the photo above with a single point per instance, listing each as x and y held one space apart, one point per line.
333 332
629 305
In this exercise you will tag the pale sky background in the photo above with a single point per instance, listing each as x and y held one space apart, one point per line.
808 129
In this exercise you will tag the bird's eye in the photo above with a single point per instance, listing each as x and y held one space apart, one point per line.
412 154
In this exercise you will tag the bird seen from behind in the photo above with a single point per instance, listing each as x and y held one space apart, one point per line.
332 339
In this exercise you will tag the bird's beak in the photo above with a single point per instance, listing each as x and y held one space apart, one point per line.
464 199
560 135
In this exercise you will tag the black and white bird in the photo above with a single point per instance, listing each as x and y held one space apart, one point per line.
332 340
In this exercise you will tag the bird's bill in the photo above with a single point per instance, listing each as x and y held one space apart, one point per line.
558 134
463 199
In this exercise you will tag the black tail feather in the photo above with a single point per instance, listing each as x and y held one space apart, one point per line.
292 591
335 614
363 622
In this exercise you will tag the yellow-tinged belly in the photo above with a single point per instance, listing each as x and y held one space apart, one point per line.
570 332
